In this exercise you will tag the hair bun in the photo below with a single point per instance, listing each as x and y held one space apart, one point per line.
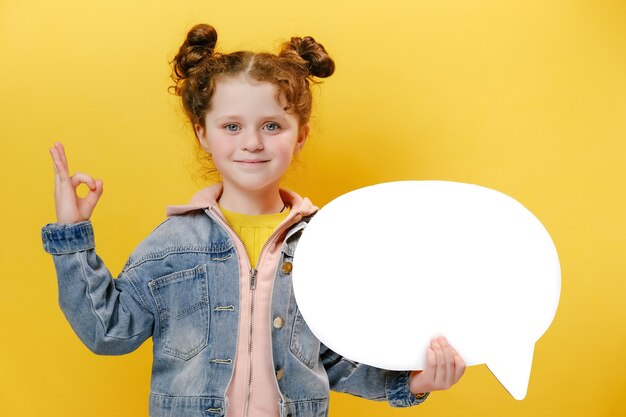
199 44
318 62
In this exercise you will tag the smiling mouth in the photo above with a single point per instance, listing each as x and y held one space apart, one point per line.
252 162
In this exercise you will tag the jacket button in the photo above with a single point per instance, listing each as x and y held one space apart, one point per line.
279 322
286 267
279 374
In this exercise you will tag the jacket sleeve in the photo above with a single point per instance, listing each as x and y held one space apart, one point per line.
107 314
367 381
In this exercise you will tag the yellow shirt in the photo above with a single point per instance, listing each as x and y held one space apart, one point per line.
254 229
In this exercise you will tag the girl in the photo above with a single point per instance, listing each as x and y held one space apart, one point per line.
211 284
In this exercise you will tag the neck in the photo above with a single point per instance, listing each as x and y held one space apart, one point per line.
251 202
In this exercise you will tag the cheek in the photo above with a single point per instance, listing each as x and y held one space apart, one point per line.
220 148
288 146
286 152
221 154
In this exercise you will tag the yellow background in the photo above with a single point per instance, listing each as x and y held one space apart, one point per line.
528 98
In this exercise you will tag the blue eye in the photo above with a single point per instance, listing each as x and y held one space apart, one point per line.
272 126
231 127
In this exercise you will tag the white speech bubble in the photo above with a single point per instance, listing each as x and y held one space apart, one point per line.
381 270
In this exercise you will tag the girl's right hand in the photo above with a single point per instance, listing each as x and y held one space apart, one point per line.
70 208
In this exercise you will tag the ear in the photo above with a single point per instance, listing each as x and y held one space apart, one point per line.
201 135
303 133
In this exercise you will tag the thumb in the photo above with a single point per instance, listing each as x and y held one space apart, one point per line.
88 204
96 192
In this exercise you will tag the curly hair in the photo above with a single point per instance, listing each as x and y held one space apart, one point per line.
197 66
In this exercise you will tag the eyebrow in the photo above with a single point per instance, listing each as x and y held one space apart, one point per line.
234 116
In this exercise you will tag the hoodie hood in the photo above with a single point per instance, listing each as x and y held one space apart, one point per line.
207 197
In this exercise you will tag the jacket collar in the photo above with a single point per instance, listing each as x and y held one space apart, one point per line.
207 197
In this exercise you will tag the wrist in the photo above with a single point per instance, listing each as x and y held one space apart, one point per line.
415 387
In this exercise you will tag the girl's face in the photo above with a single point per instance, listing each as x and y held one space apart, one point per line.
249 135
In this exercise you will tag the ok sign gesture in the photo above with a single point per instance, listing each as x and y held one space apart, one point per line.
70 208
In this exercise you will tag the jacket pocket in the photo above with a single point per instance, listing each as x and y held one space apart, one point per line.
182 301
304 345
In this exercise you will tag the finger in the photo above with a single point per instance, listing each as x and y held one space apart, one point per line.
61 150
59 167
97 192
82 178
87 204
431 361
449 358
54 165
439 379
459 366
430 370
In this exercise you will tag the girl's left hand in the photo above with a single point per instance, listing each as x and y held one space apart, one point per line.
444 368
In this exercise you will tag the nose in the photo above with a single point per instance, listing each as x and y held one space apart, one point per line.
252 141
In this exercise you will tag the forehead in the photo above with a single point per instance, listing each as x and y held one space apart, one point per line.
242 93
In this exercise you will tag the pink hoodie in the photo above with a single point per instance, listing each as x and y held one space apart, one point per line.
253 390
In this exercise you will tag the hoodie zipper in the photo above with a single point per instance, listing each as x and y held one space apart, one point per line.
253 275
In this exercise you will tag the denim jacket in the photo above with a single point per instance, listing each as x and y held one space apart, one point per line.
181 287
